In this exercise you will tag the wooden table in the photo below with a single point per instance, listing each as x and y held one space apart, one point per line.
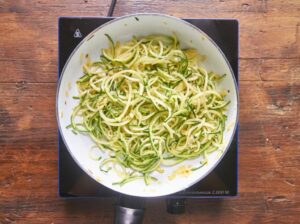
269 157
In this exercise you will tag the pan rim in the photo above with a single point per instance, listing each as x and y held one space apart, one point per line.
186 23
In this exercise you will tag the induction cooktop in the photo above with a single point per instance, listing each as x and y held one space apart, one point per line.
221 182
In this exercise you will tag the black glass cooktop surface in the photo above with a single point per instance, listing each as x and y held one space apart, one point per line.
221 182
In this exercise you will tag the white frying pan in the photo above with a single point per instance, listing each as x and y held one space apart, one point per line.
122 29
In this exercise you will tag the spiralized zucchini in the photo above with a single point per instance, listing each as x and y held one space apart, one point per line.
148 104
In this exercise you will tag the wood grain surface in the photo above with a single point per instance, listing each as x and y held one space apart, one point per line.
269 155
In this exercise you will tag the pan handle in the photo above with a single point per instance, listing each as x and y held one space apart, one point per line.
129 210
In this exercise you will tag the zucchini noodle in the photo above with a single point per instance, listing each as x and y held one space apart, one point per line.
148 104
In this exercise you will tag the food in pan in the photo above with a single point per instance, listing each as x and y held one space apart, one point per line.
147 104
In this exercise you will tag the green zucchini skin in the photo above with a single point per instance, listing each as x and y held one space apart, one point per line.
148 104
